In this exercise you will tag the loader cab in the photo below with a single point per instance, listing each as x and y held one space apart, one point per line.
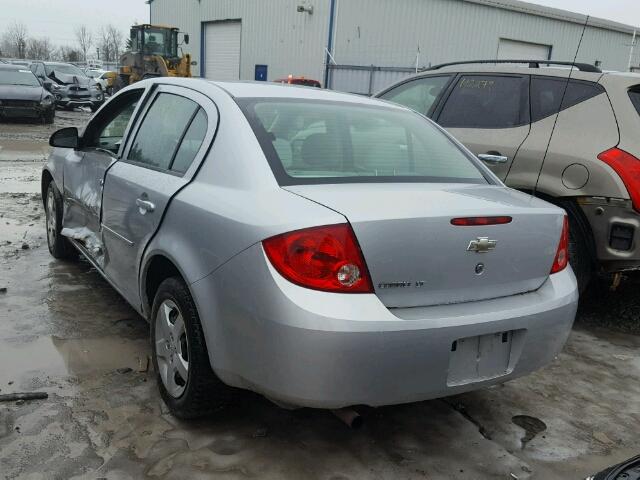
154 40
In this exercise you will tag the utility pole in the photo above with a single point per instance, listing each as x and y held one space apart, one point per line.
98 51
633 44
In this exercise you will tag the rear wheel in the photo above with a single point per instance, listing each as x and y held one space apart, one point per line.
59 246
186 381
580 256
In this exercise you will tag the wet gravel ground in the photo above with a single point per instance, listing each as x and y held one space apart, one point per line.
64 331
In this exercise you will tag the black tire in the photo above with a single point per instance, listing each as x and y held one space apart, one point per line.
94 107
580 256
202 392
49 117
59 246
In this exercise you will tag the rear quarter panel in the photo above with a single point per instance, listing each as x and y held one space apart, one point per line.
571 167
627 116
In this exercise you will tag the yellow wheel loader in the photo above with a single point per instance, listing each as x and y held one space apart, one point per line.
153 53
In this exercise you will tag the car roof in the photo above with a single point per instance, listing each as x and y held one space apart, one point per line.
10 66
551 71
59 63
281 90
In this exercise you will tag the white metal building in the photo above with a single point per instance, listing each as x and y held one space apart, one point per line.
370 43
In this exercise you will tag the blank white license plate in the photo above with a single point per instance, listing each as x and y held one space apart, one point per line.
474 359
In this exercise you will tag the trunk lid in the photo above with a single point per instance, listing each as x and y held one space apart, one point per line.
416 257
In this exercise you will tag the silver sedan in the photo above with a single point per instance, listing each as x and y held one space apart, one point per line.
322 249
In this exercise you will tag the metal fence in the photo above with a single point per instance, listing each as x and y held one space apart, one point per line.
365 79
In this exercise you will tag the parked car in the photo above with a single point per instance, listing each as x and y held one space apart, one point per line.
22 96
506 114
627 470
104 79
307 82
320 248
70 85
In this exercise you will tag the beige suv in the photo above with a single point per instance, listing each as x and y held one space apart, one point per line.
583 156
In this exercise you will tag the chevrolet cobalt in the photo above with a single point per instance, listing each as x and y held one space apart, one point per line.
319 248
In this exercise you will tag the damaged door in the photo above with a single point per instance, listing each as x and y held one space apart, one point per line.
85 171
162 158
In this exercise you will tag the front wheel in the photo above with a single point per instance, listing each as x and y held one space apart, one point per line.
186 381
59 246
49 117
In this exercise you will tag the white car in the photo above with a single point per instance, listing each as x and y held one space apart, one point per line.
99 77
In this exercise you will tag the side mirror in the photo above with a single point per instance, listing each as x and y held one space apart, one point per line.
186 39
65 138
46 84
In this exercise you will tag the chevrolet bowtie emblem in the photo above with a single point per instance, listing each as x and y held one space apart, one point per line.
481 245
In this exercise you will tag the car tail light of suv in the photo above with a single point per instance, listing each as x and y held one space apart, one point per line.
326 258
628 169
562 255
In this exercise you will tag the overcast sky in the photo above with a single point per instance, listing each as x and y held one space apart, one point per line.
57 19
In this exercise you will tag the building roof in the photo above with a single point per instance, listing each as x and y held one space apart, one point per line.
556 13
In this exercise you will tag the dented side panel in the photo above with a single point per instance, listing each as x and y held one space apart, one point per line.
84 174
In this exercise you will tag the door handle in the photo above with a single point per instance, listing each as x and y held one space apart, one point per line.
144 206
493 159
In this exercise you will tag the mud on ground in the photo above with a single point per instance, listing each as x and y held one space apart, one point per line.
64 331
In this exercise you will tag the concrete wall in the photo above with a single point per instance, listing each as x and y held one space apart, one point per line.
390 32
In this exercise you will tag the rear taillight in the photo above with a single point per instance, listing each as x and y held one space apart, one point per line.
324 258
562 255
628 169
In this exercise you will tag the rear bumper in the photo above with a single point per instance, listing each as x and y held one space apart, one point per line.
306 348
605 214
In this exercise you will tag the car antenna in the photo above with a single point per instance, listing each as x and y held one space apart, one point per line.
564 93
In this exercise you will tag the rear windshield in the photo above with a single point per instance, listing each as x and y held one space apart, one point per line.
634 95
18 77
310 142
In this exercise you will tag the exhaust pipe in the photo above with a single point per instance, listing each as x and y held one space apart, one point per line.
349 417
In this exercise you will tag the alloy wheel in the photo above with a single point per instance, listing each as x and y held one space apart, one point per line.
172 348
51 218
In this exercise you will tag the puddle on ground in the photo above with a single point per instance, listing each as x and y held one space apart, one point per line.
55 356
531 425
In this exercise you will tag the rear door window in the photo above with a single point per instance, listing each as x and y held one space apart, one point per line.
546 95
634 95
191 143
161 130
419 95
486 101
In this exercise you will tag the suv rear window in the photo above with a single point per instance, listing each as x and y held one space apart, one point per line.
546 94
309 142
634 95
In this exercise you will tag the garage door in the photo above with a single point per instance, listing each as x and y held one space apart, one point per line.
222 51
516 50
